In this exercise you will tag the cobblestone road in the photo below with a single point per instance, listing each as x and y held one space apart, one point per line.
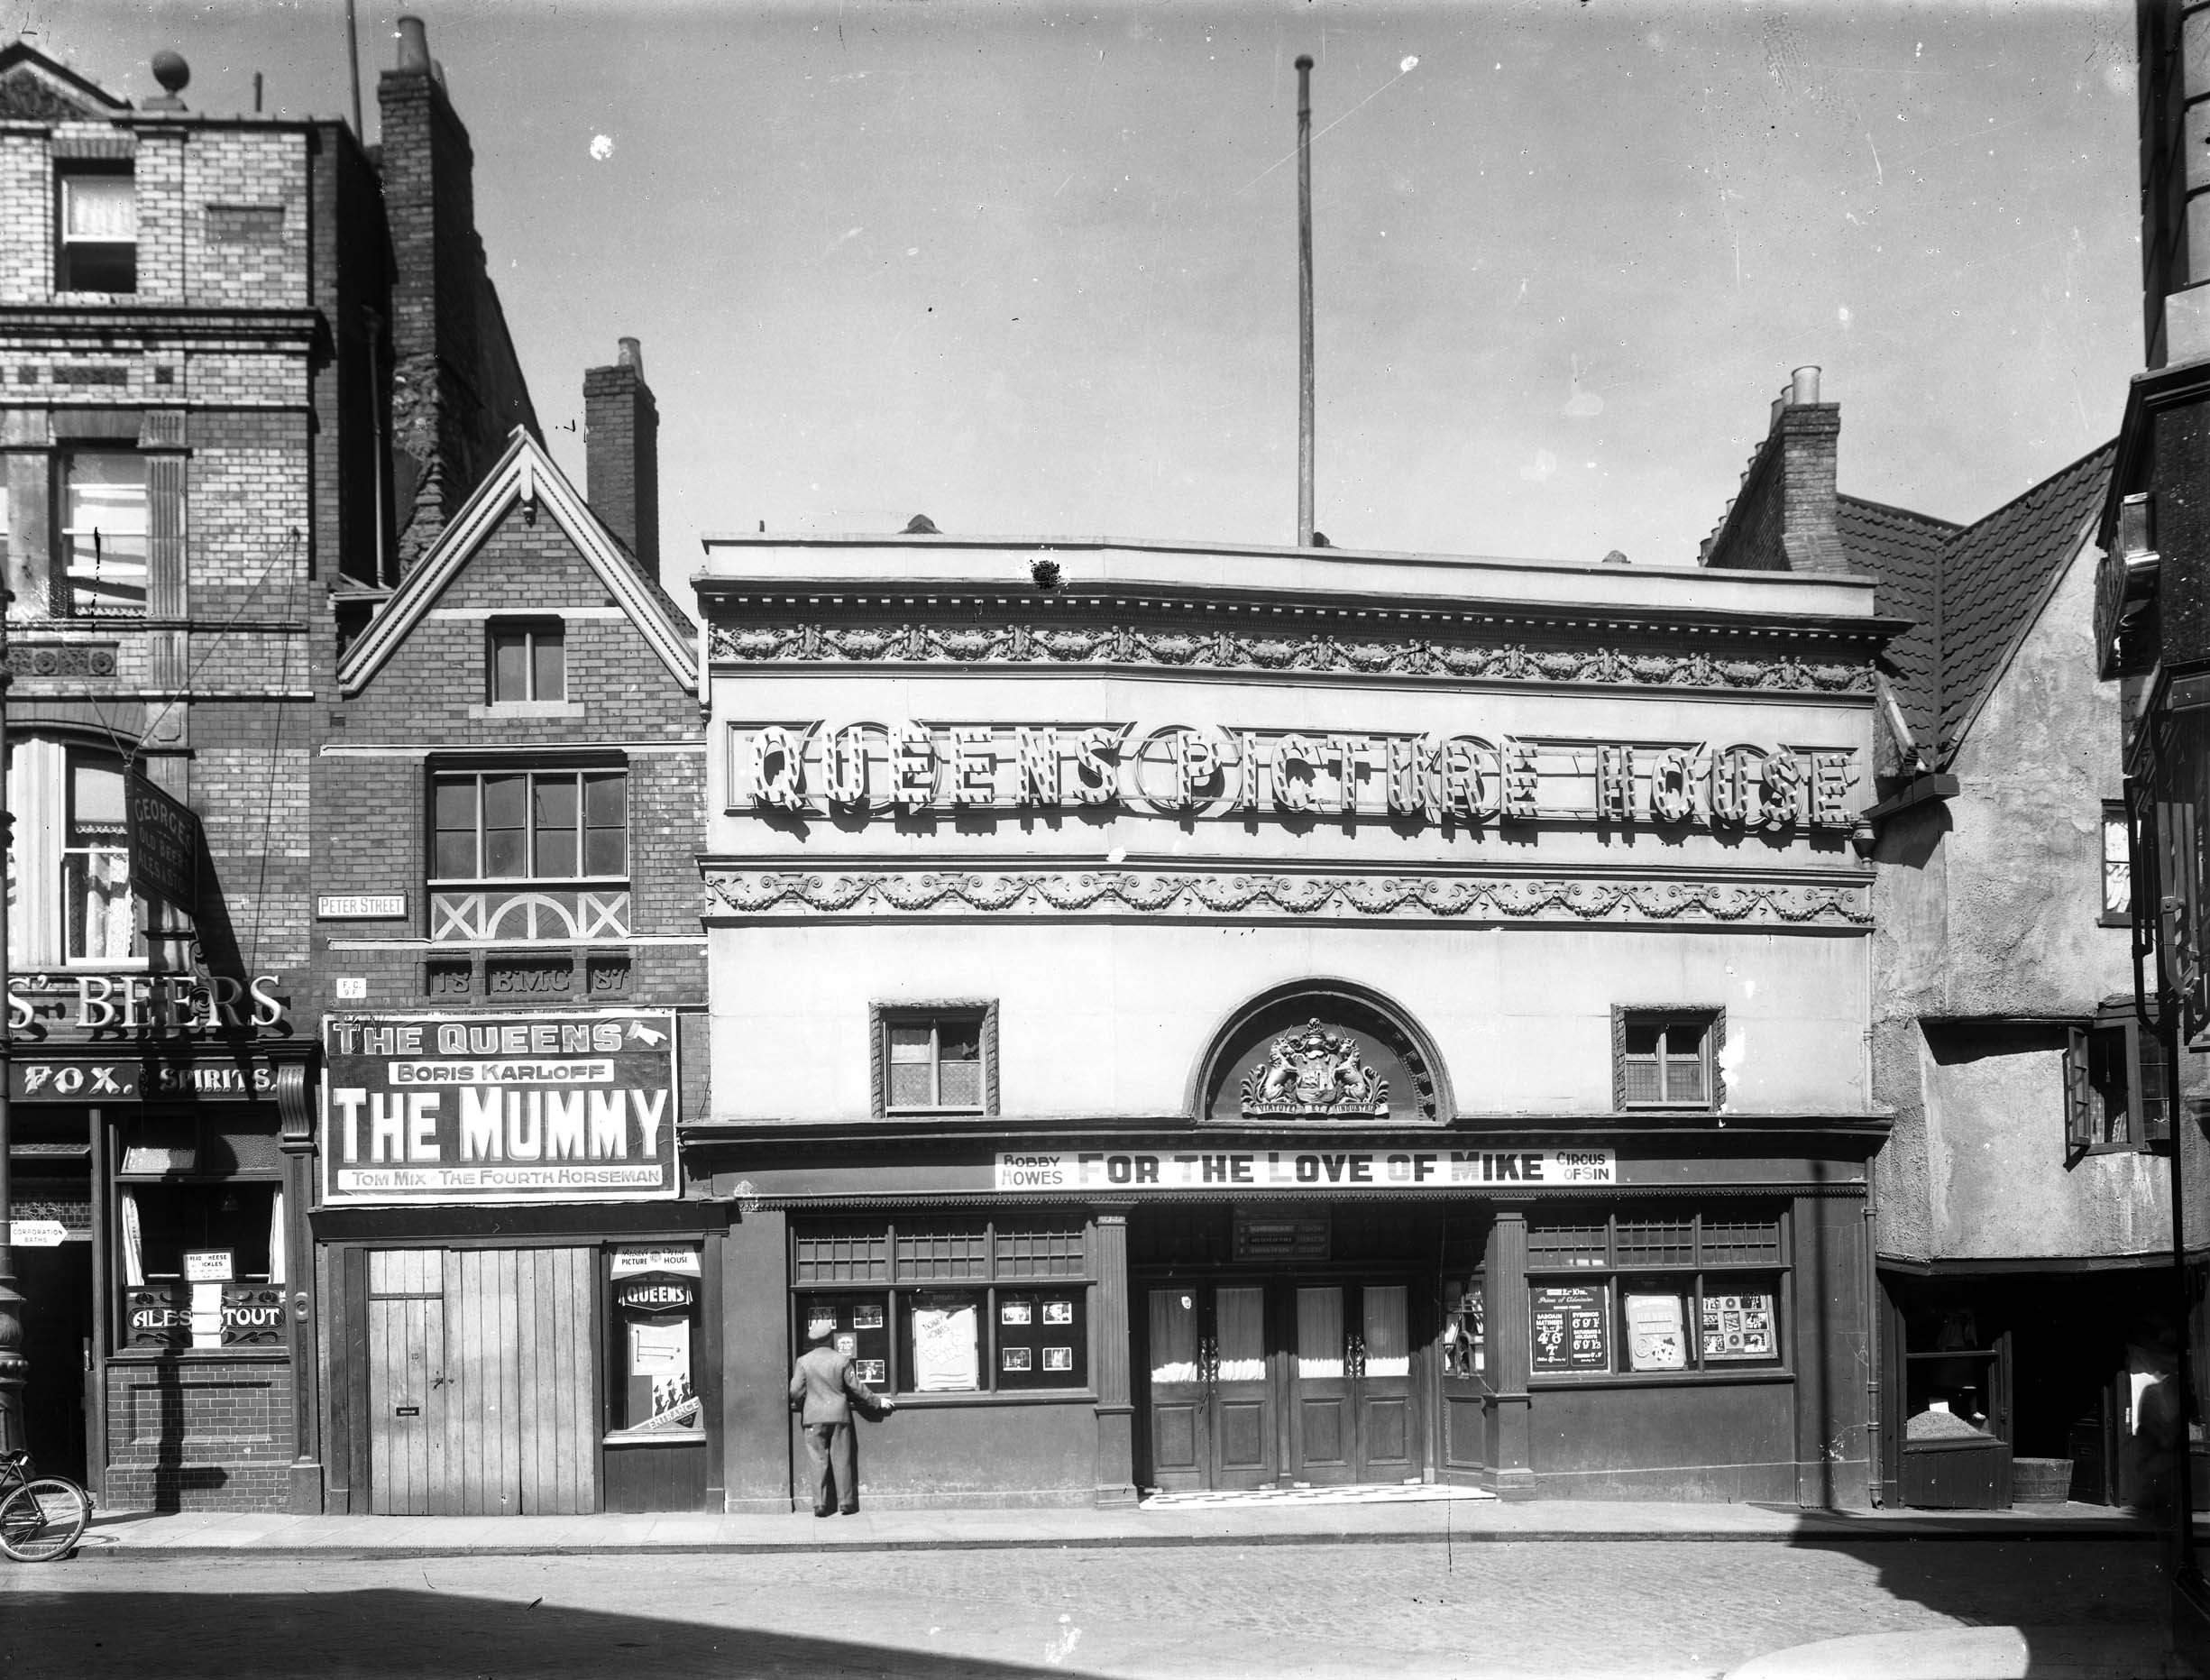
1480 1610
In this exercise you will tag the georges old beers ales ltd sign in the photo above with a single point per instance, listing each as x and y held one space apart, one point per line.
537 1107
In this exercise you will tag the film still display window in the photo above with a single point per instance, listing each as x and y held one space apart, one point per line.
654 1322
971 1307
1673 1295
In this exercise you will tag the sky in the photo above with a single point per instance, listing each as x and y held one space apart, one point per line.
1030 269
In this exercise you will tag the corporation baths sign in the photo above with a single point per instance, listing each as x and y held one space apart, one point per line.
872 769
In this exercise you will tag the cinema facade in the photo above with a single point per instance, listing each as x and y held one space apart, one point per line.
1230 1017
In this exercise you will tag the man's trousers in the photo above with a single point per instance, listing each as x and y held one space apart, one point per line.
829 1447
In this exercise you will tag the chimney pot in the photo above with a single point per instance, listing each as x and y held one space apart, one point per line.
413 45
1804 387
630 354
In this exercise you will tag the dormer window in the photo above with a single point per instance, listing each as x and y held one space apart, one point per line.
524 662
98 220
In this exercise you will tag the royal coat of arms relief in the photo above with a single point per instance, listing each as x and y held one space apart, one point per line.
1315 1072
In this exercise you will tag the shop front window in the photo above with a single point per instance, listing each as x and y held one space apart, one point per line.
1676 1296
969 1306
201 1264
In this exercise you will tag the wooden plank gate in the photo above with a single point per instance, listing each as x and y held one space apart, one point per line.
481 1400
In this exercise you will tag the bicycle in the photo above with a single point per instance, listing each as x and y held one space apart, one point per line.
43 1516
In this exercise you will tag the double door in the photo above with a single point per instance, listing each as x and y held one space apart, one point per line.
1256 1382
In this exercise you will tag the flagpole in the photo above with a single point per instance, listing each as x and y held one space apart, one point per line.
1303 301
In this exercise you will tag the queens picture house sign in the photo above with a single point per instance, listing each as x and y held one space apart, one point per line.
537 1107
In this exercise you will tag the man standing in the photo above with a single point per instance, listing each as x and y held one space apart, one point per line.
822 1389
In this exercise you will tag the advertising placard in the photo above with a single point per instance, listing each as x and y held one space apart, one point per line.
541 1106
164 836
1571 1326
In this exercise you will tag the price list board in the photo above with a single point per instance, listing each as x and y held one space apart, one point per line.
1571 1328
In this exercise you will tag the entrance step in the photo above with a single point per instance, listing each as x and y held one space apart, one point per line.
1374 1493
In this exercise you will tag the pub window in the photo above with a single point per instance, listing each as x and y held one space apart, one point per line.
959 1307
103 534
544 825
524 660
2115 1093
1672 1294
201 1265
1665 1057
99 247
2117 866
69 880
936 1059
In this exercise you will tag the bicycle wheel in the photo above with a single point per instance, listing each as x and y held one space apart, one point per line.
42 1520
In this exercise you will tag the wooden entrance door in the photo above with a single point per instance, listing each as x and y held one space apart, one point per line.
1211 1408
1350 1374
480 1393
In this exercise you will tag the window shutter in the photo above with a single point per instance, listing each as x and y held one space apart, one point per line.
2153 1101
2078 1096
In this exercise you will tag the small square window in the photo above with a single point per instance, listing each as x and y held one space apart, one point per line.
525 661
1666 1059
98 249
933 1060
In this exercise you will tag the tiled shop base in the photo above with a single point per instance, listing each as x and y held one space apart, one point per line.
1376 1493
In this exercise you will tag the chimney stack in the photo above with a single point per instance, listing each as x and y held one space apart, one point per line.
621 453
1784 518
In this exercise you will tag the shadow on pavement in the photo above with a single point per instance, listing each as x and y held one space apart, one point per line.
2110 1585
63 1634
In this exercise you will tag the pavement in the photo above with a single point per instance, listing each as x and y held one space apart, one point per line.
2085 1650
1473 1519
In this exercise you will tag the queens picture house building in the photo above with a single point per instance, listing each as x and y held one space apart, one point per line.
1195 1017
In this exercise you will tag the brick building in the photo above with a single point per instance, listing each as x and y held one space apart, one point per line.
208 484
521 1305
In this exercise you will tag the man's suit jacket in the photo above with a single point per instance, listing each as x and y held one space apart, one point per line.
822 1387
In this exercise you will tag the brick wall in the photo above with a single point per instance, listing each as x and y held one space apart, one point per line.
371 785
198 1434
457 384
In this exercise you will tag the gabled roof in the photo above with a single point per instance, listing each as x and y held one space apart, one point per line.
33 87
1973 592
1999 574
1903 550
525 474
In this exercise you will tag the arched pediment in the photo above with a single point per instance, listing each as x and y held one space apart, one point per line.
1321 1052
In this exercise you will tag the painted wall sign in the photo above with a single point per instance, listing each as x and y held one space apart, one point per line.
886 770
143 1005
1291 1170
82 1080
360 906
538 1107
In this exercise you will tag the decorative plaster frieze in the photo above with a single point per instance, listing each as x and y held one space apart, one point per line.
1234 650
1332 897
62 659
